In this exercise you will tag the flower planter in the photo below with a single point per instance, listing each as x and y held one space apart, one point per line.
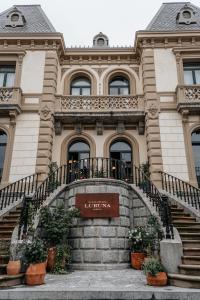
159 280
51 258
13 267
137 259
35 274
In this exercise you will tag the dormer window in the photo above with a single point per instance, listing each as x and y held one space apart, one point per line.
15 19
100 40
186 16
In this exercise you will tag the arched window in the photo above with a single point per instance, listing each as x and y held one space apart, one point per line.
78 150
121 151
119 86
196 152
3 144
80 86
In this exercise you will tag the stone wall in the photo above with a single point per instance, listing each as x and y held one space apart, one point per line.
101 243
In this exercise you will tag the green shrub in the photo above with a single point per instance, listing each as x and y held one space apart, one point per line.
35 252
152 266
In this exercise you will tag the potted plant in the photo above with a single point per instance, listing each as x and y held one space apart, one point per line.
154 272
35 255
14 265
54 229
62 258
137 245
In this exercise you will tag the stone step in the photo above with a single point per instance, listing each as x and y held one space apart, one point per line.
189 236
193 270
185 281
11 218
191 260
4 258
7 227
8 280
183 219
181 214
176 209
191 251
186 224
188 229
3 269
191 243
5 234
7 222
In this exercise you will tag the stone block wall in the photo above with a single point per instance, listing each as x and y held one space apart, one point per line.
140 212
100 243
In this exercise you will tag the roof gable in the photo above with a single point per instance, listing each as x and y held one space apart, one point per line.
166 18
36 20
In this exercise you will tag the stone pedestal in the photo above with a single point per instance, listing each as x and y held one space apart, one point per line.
100 243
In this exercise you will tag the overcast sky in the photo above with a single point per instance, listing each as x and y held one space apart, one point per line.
80 20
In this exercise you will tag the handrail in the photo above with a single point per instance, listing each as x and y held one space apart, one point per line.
97 167
160 202
182 189
18 189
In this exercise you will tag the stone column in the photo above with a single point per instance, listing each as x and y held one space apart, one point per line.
46 114
152 115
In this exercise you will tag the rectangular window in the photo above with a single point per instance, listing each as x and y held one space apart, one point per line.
191 73
7 76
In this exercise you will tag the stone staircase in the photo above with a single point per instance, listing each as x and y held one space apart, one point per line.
7 225
189 230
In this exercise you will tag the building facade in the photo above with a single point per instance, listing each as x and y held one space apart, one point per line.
139 104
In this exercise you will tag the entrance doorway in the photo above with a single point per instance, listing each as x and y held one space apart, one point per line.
121 159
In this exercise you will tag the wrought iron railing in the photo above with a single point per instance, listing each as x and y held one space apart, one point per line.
182 189
160 202
197 169
97 168
17 190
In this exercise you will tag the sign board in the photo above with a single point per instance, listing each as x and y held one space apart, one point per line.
98 205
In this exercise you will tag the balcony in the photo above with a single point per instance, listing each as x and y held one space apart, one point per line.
103 108
188 98
10 100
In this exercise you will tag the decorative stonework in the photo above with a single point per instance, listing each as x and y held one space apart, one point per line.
45 113
153 111
98 103
192 93
99 128
5 94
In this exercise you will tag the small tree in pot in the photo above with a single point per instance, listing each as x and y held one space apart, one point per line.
54 230
35 256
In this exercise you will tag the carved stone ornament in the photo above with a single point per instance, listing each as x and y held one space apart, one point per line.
58 127
12 115
99 128
120 127
45 113
152 111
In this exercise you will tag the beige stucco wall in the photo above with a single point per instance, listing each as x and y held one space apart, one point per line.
25 146
99 140
172 144
33 72
166 70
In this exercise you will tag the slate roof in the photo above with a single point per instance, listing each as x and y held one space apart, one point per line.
165 19
36 20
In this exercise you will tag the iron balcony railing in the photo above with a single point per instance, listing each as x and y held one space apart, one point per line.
97 168
182 189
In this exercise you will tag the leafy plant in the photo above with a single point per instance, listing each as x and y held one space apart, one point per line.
152 266
36 252
154 234
17 250
52 182
55 223
62 258
137 239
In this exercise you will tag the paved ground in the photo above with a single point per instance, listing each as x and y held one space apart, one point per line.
123 284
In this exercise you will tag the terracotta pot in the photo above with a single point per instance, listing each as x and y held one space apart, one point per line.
13 267
51 258
35 274
137 259
159 280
